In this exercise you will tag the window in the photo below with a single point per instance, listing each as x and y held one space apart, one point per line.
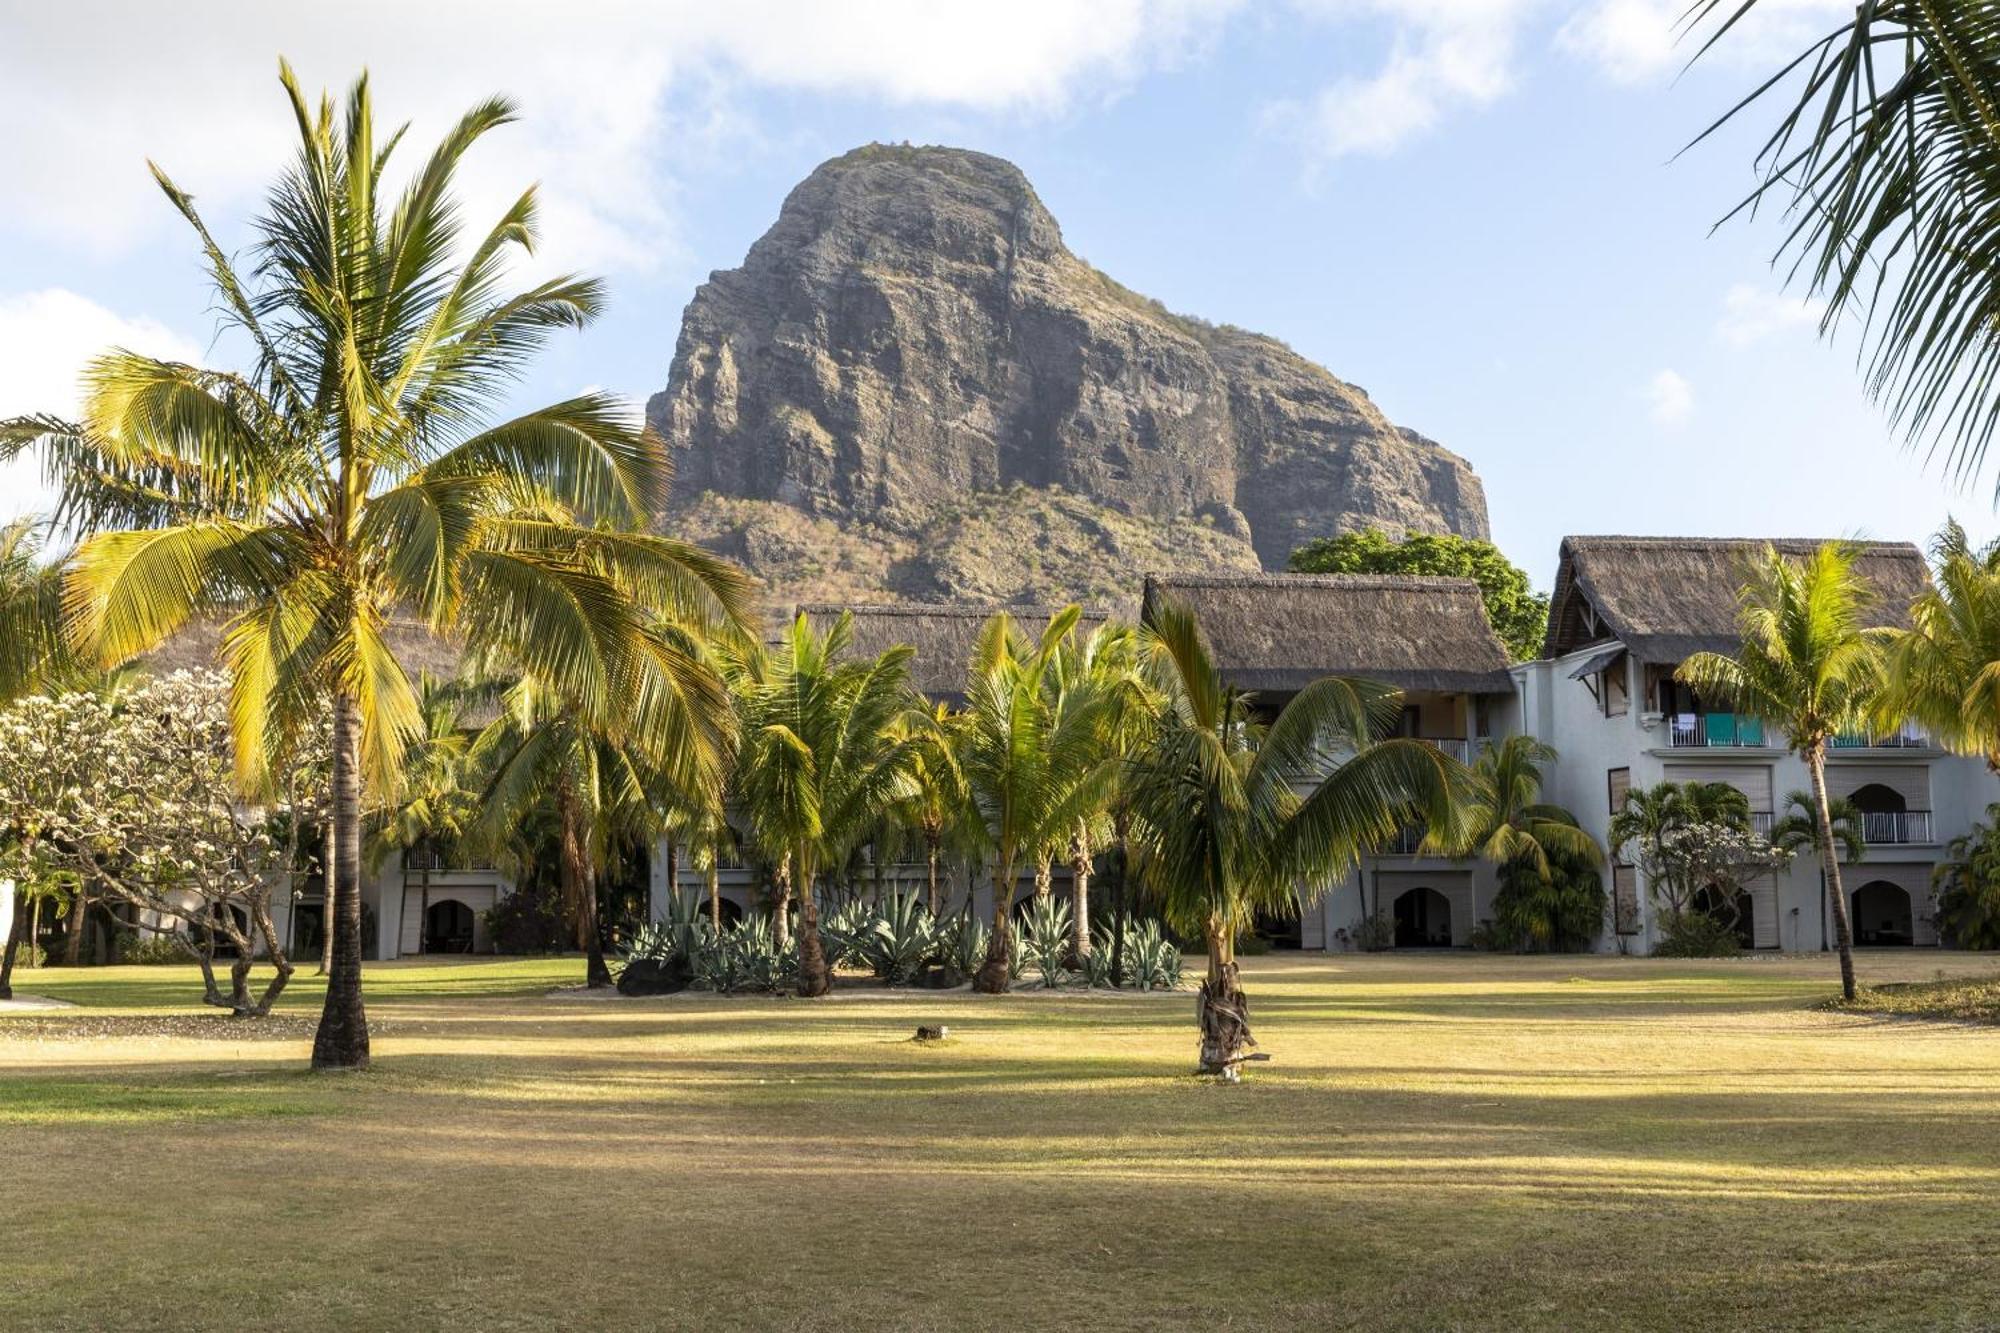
1617 782
1625 899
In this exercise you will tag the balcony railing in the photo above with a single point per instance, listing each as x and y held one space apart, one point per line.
1456 746
1906 737
1895 826
1760 823
1714 731
1406 842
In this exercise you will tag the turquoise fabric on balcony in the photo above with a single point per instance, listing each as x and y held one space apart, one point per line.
1721 728
1751 731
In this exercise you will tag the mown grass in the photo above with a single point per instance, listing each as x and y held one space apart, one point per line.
1443 1141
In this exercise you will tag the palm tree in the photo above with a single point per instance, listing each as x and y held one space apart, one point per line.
33 654
1807 664
1884 154
823 761
1508 822
1642 830
1102 669
435 806
353 474
1944 670
936 806
1221 829
1798 829
1034 768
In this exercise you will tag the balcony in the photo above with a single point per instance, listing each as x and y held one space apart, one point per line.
1405 843
1905 737
1890 827
1457 747
1760 823
1714 731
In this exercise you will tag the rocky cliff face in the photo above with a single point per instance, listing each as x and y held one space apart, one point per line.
912 333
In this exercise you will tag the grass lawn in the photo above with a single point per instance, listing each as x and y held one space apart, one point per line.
1440 1141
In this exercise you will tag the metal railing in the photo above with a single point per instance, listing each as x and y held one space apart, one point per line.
1895 826
1760 822
1906 737
1714 731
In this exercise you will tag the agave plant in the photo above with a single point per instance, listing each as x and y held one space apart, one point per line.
843 931
1098 972
1046 941
901 939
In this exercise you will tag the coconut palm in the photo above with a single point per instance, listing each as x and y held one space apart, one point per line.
354 473
1232 816
1103 669
824 757
33 654
1034 766
1884 154
1944 670
1808 664
1508 822
935 809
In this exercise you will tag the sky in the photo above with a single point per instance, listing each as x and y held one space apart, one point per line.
1477 210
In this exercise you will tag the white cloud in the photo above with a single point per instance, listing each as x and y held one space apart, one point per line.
46 338
1750 314
91 88
1444 55
1669 398
1635 41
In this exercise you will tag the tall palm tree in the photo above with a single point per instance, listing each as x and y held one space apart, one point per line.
1232 816
1884 154
1104 670
1809 664
823 761
1798 829
354 473
1944 670
1034 768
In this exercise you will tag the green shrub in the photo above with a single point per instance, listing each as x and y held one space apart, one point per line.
1045 941
1696 934
899 940
526 921
1153 959
1487 938
1560 913
152 949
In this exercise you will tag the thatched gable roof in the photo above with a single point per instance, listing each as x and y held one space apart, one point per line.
1281 632
198 648
1667 598
944 635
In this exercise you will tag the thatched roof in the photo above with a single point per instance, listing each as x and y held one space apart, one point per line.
198 648
1281 632
1667 598
943 635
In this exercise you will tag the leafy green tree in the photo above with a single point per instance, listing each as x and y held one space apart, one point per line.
1884 154
1967 886
1944 670
938 804
33 653
1559 909
1809 664
1232 816
1541 851
354 472
1519 614
823 761
436 805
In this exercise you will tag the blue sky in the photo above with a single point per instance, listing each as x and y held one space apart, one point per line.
1471 208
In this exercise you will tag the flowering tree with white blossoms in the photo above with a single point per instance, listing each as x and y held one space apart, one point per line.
134 795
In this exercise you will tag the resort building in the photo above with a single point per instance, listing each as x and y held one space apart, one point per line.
1428 637
1625 612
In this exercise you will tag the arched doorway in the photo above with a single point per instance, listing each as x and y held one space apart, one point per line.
1423 919
732 912
448 927
1884 813
1883 915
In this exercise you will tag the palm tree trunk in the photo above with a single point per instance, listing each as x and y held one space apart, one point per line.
1222 1009
714 893
326 901
342 1039
1079 878
781 885
996 973
1121 832
931 852
580 887
1843 934
423 902
815 977
1044 873
596 972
